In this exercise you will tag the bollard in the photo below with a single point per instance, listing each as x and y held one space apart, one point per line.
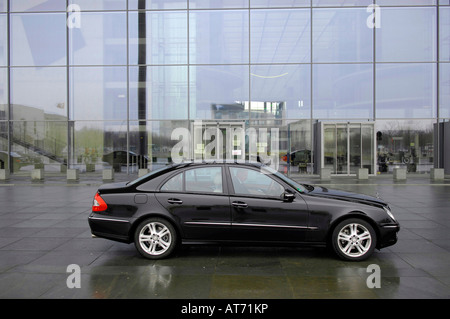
37 174
437 174
73 174
4 175
108 174
325 174
399 174
363 173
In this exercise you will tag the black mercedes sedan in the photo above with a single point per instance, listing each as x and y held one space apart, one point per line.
233 202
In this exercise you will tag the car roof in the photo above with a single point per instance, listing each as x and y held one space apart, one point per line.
215 162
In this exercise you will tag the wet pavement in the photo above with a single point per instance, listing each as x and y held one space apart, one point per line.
44 229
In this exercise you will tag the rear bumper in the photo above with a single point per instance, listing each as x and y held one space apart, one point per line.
109 228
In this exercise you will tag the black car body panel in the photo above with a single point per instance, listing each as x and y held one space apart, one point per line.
208 216
346 196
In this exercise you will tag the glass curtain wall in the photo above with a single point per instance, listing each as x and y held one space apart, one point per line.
103 84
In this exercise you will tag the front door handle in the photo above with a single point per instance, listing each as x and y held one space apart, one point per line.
174 201
239 204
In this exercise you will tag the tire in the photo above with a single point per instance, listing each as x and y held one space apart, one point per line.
155 238
353 239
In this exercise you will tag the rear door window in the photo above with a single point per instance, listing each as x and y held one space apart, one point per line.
205 179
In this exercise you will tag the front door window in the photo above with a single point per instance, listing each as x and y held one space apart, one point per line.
254 183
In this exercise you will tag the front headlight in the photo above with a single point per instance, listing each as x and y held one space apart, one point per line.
388 211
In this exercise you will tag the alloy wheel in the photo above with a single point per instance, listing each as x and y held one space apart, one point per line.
155 238
354 240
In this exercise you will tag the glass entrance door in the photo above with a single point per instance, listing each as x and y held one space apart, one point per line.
341 149
219 140
354 148
348 147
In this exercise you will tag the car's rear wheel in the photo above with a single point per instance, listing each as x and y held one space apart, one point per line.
155 238
354 239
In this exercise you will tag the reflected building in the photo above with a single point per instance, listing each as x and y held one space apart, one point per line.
105 83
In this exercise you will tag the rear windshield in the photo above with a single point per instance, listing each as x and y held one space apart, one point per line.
147 175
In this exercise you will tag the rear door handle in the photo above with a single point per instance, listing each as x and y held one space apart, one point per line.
174 201
239 204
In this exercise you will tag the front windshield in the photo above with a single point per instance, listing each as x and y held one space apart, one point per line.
301 188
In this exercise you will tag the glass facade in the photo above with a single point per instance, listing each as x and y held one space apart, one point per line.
104 84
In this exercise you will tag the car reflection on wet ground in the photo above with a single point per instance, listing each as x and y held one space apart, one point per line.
43 230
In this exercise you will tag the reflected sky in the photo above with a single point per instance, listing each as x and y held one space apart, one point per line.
101 40
281 36
100 4
208 4
341 2
406 90
329 42
278 3
37 5
218 37
212 86
444 34
270 82
3 40
98 93
38 39
444 99
157 4
405 2
343 91
406 35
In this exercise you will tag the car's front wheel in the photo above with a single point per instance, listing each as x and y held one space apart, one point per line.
155 238
354 239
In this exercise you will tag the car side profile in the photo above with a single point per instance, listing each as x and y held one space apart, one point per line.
233 202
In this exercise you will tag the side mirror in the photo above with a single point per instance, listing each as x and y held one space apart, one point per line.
288 196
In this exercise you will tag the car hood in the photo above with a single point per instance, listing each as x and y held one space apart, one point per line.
346 196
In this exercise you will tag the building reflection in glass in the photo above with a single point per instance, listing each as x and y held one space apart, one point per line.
109 94
405 143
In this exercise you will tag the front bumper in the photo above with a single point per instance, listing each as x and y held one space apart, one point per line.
388 235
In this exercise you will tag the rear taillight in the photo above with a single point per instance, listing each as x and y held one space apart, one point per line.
99 204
